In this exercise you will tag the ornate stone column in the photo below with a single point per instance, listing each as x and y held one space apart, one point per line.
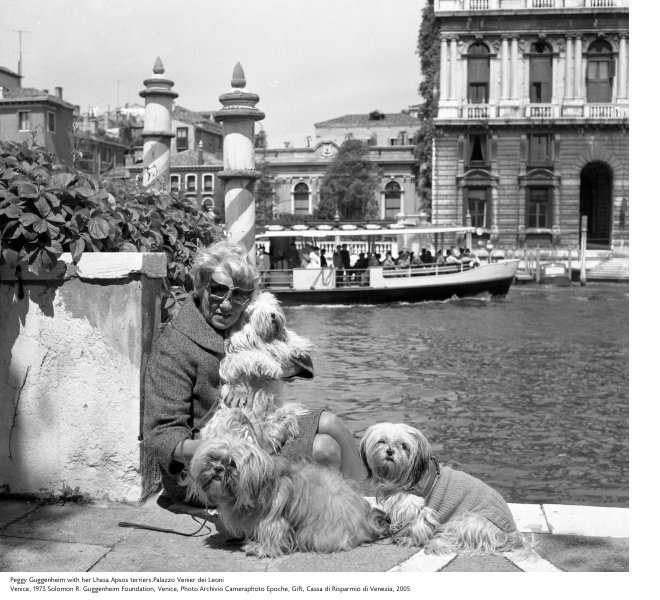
238 115
569 68
577 70
453 75
444 70
157 133
505 69
514 68
623 67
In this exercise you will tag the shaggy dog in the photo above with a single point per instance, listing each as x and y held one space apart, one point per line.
258 350
432 506
279 506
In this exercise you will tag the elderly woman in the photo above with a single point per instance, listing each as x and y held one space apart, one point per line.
183 383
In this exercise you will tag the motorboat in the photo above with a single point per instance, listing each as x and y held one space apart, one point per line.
375 285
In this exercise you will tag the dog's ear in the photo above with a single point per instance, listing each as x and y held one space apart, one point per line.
363 456
255 476
421 458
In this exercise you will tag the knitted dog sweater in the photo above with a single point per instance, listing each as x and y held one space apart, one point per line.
456 493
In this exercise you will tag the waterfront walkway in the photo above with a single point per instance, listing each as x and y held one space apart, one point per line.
72 538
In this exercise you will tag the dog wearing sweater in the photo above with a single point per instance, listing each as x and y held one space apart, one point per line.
258 350
432 506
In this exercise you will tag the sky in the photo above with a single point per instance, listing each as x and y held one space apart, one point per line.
308 60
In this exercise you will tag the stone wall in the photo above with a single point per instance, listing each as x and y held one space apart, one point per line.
573 150
73 350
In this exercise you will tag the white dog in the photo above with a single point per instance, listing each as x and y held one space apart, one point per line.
433 506
278 506
259 349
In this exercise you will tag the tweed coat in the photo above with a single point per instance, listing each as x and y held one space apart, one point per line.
182 386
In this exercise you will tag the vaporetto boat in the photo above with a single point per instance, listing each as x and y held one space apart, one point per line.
378 284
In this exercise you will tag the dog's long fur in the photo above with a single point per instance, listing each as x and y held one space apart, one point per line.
396 456
279 506
258 349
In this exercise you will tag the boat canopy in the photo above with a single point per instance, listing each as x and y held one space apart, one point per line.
360 232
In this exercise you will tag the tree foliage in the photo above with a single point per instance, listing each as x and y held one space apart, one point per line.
47 209
428 48
350 184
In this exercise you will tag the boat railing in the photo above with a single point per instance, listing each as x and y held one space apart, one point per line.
427 270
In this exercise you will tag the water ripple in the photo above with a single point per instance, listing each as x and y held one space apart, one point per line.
529 393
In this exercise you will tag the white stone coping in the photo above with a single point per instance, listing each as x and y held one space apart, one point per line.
97 265
557 519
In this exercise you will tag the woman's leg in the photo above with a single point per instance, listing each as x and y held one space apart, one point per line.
348 461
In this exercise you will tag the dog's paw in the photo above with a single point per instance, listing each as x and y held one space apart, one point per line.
260 551
438 547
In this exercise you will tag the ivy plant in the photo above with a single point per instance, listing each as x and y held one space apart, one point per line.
47 209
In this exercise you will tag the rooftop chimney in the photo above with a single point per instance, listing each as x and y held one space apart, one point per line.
200 153
58 92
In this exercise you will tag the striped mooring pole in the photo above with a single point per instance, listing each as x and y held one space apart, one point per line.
157 133
238 115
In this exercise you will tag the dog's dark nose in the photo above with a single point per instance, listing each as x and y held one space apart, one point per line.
217 469
389 452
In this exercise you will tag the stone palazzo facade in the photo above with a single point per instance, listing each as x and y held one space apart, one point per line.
532 123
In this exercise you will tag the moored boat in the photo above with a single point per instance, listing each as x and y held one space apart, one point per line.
375 285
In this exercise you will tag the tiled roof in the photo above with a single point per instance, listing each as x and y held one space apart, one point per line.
188 158
20 93
389 120
193 118
9 72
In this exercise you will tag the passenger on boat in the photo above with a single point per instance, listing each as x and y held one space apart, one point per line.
263 264
470 258
314 260
182 382
403 261
346 262
415 260
453 257
388 263
324 262
339 266
426 256
292 257
439 259
374 260
303 254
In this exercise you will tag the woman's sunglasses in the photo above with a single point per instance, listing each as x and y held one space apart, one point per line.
219 292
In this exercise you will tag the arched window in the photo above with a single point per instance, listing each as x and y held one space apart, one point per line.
600 71
301 199
392 200
540 74
191 183
478 74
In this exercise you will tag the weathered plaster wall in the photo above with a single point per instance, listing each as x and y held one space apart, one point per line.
72 355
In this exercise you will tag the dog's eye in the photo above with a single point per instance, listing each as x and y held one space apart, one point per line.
380 442
404 447
232 464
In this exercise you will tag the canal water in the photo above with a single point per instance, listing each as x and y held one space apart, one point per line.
528 392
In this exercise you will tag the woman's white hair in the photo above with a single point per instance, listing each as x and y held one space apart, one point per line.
231 256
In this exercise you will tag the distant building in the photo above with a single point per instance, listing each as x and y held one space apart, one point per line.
532 125
32 113
196 157
298 172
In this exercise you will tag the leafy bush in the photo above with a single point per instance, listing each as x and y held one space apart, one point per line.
47 209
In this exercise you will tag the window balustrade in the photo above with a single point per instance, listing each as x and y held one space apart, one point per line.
607 111
472 111
541 111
